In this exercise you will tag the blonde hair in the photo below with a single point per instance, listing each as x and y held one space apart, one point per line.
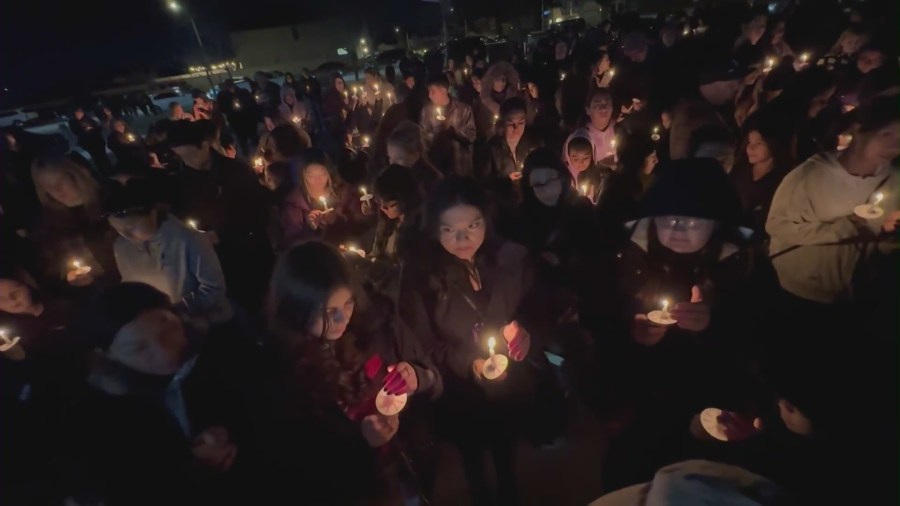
87 186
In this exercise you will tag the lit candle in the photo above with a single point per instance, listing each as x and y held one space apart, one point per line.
131 137
324 202
439 113
612 73
236 104
259 162
562 76
804 58
655 135
877 199
375 86
664 312
496 364
346 95
686 32
78 270
193 224
365 141
296 120
366 196
612 144
770 64
257 97
584 189
389 96
466 71
6 343
496 118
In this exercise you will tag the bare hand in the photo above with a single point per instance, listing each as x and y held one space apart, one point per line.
378 429
213 449
79 280
366 208
313 218
645 332
401 379
738 428
891 222
693 315
518 340
478 369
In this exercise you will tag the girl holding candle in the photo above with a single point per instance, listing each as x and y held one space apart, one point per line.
599 127
334 347
70 225
467 286
320 205
508 149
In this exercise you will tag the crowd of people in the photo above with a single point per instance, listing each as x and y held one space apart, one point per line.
690 229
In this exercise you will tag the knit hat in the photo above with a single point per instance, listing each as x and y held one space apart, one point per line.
695 187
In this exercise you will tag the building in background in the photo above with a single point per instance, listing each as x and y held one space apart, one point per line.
290 48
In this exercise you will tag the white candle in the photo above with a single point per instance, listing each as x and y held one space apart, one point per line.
365 141
492 342
236 104
324 202
612 73
296 119
877 198
664 313
193 224
3 337
804 57
438 113
376 88
131 137
584 189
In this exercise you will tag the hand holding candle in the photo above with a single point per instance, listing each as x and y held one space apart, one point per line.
401 379
518 340
379 429
693 315
324 200
79 275
871 210
7 343
662 316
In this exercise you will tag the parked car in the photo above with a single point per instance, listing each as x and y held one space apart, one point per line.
11 117
164 98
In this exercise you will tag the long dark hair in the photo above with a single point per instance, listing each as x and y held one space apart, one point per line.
778 139
397 183
445 268
302 281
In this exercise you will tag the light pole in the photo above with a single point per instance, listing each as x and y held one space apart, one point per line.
175 7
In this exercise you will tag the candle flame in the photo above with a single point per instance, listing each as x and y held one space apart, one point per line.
804 57
296 119
612 73
878 198
656 129
584 189
324 201
258 161
192 224
612 144
492 342
131 137
665 305
76 264
363 190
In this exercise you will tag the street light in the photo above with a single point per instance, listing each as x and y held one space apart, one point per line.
176 8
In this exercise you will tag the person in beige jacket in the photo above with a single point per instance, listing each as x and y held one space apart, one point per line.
817 240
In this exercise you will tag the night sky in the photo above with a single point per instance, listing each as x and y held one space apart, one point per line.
90 43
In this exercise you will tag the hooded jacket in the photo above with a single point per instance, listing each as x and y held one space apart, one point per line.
182 264
489 97
817 242
594 178
601 140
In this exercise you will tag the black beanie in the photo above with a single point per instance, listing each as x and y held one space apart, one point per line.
695 187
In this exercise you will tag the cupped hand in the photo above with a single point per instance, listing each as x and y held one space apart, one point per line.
645 332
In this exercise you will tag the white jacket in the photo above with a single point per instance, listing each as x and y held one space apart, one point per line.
815 244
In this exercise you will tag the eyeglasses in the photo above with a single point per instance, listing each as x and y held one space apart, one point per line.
672 222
